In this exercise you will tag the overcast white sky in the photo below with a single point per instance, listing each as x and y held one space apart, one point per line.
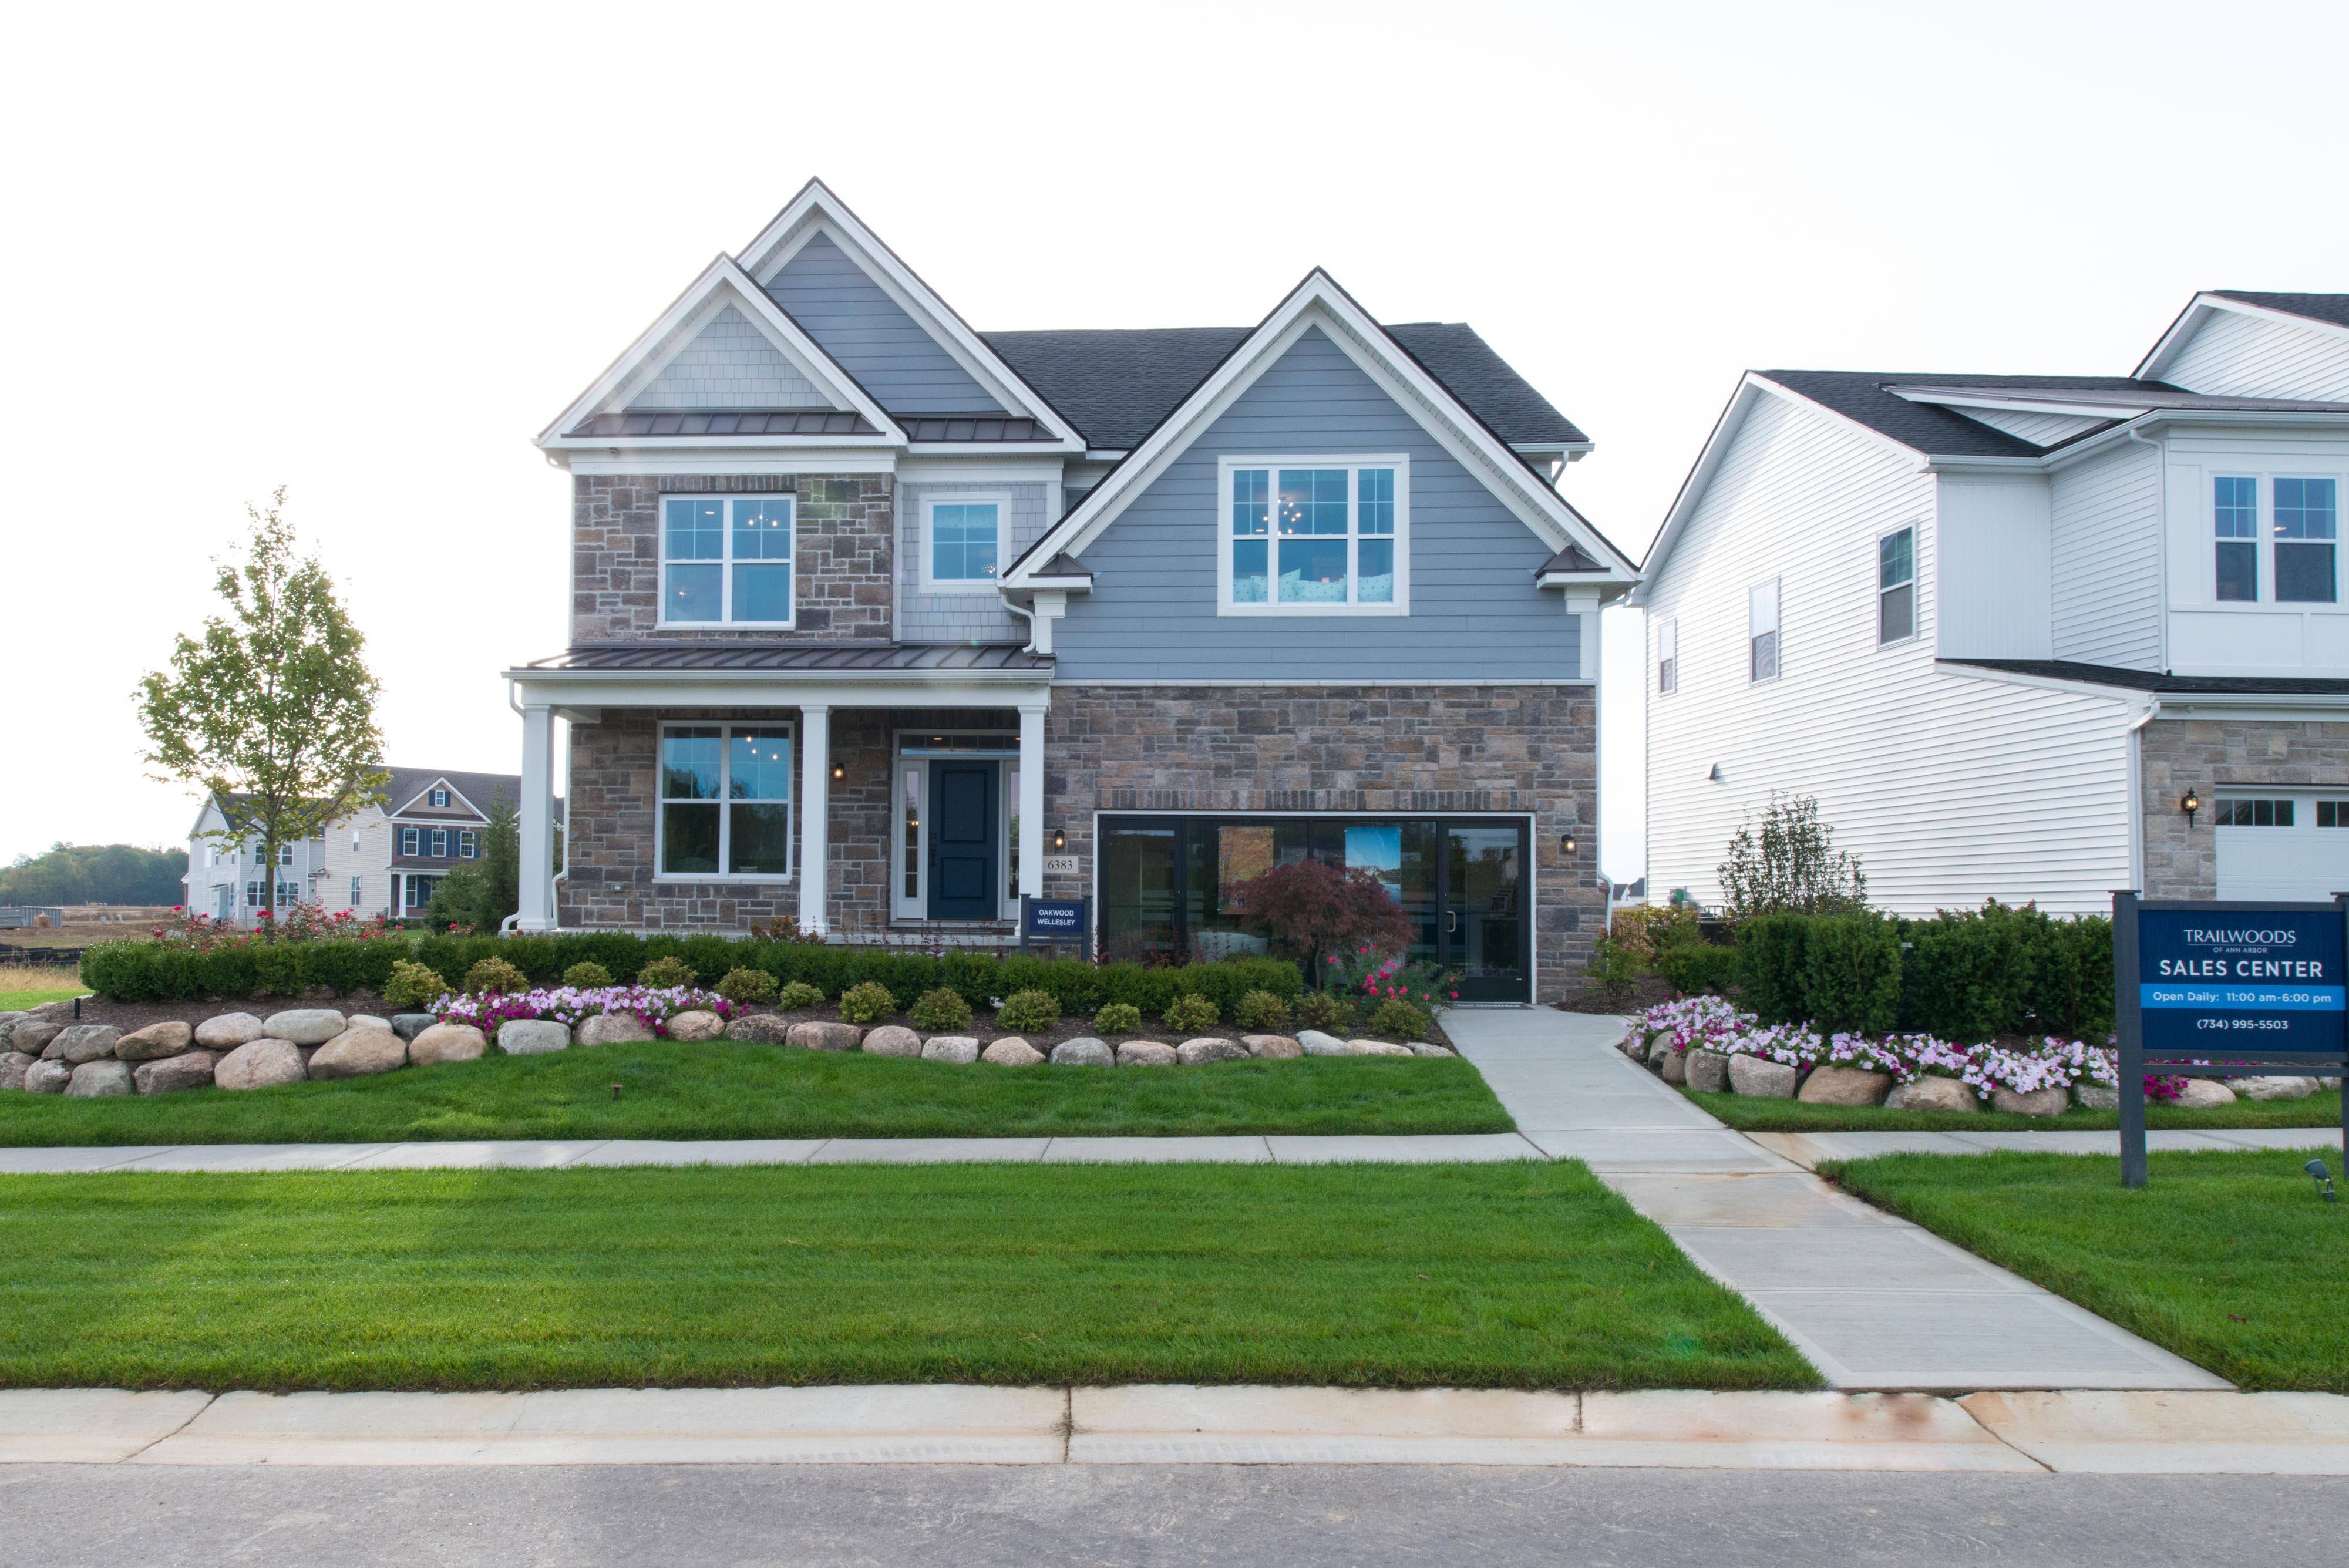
367 252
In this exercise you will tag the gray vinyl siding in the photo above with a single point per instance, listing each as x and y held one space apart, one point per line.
961 617
864 330
730 365
1475 614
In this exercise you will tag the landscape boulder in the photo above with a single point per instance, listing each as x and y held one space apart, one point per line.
1427 1048
1761 1079
98 1079
1082 1052
759 1029
621 1028
359 1053
1675 1068
169 1075
1012 1052
1660 1050
2050 1102
14 1065
2204 1094
59 1013
47 1078
892 1040
1316 1044
1377 1048
369 1021
1833 1085
229 1031
407 1025
1708 1072
304 1025
1933 1094
1272 1047
2272 1088
9 1019
1148 1054
260 1064
447 1042
2090 1095
532 1036
1206 1049
154 1042
695 1023
821 1034
956 1048
80 1042
31 1035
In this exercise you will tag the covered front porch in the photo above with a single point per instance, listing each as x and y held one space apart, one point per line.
868 791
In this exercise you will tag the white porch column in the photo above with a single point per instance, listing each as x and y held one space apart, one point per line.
535 884
1033 840
815 814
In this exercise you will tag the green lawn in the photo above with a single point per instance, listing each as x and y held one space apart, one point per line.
720 1089
19 1001
1752 1114
1514 1275
2228 1259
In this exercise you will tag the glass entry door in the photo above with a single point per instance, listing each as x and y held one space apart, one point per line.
1481 926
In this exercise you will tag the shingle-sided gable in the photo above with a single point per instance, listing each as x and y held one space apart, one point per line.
730 364
905 368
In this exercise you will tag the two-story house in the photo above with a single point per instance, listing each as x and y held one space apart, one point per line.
880 623
2023 637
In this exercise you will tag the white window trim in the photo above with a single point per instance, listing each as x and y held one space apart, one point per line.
1777 586
438 840
1001 501
790 731
1668 636
725 563
357 895
439 799
902 908
2264 540
1352 462
1916 609
469 845
412 841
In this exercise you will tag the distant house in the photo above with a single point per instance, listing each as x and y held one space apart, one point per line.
2023 637
386 860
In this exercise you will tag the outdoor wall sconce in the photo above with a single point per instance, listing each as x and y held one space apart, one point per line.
1566 843
1059 839
839 770
2189 803
1714 776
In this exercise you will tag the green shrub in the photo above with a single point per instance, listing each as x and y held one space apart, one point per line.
495 974
1973 974
867 1001
1403 1020
941 1009
1322 1010
747 987
1023 1010
1118 1018
1613 969
797 996
1190 1012
664 972
587 975
1262 1010
1772 973
1692 969
412 985
1851 973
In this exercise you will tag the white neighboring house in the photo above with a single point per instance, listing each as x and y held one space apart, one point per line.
387 859
2009 628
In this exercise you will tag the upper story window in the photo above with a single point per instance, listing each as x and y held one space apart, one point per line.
725 801
2306 512
355 892
439 797
285 855
2303 535
1761 630
1896 586
411 840
962 543
2235 511
726 560
440 843
1315 535
1668 657
468 846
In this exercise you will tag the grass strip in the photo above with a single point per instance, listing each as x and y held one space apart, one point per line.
1750 1112
2227 1259
1519 1275
720 1089
18 1000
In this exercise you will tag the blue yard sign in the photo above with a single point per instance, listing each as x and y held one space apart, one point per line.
1054 920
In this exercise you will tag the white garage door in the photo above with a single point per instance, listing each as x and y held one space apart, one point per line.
2289 848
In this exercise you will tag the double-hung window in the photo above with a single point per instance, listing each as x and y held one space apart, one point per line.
2306 515
1315 535
411 840
1896 586
2235 513
962 543
725 801
726 560
285 855
469 846
355 892
440 843
439 797
1668 657
1761 630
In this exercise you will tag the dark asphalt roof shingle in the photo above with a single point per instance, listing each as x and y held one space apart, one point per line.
2158 681
1929 428
2328 308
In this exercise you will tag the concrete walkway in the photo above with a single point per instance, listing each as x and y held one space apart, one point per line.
1873 1301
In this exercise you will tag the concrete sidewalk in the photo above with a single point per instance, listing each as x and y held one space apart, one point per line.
1873 1301
2106 1433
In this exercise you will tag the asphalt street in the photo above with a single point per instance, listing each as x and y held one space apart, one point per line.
1293 1516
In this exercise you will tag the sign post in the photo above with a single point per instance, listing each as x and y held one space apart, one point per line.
1050 921
2203 989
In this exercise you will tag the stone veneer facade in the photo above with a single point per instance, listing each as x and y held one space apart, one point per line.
844 544
2208 756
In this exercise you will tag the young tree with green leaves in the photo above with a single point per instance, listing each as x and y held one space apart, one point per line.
1792 867
273 709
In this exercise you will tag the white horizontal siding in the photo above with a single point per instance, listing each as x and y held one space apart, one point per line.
2106 554
1948 789
1992 541
2039 429
2236 354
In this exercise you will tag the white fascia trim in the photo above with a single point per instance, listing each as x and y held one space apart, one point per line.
816 210
647 459
2158 418
2189 321
919 467
1725 426
723 274
2102 410
1319 302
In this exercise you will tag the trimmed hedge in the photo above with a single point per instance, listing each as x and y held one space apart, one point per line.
147 970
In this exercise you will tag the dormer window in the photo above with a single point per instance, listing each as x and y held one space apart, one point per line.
1316 535
726 560
440 797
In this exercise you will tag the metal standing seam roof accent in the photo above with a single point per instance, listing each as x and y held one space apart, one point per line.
1573 558
972 428
798 659
726 423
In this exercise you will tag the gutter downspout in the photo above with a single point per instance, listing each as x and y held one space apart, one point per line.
2133 741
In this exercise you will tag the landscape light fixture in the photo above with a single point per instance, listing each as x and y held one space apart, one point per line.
2324 1179
2189 803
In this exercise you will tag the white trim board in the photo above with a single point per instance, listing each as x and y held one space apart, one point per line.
2199 309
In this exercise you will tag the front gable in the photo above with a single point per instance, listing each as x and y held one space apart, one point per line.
730 364
2228 348
871 335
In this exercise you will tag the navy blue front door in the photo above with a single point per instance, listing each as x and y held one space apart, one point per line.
963 808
